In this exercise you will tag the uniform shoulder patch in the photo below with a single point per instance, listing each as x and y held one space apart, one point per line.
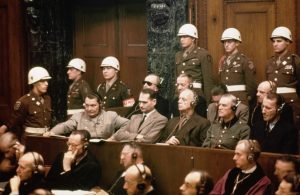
17 105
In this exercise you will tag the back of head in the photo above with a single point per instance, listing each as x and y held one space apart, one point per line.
219 90
137 154
205 183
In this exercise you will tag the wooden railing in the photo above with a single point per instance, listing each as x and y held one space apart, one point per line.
169 164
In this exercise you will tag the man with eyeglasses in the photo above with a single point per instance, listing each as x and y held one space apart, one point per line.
152 81
99 123
77 168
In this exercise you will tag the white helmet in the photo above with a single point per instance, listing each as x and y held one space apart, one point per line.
110 61
189 30
77 63
36 74
282 31
231 33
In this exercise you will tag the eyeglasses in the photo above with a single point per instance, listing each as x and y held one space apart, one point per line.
148 83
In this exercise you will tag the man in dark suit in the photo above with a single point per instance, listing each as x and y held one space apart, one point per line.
189 128
273 132
145 127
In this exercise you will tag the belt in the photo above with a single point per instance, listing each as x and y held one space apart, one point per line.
197 85
231 88
285 90
73 111
35 130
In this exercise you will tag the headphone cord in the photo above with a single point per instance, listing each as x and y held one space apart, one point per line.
114 185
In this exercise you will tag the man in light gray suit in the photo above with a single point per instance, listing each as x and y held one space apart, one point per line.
145 127
99 123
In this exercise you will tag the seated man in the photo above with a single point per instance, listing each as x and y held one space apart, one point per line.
10 152
290 185
77 168
242 110
263 89
100 123
152 81
228 130
197 183
138 180
131 154
145 127
247 177
185 81
285 165
273 132
30 175
189 129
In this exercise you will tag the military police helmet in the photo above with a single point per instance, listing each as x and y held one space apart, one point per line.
77 63
36 74
282 31
231 33
188 30
110 61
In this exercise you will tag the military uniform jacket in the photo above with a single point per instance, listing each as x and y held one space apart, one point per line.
77 93
242 112
102 126
239 71
192 133
115 95
198 64
29 111
286 73
150 129
227 136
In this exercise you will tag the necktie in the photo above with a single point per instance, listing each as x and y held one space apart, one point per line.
142 121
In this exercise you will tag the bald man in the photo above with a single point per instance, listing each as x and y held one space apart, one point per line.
197 183
263 89
30 175
138 180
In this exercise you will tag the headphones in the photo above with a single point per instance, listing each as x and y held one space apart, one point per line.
281 103
38 164
251 156
195 100
142 186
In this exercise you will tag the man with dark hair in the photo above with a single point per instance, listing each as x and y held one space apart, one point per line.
76 168
273 132
285 165
241 112
100 123
225 133
189 129
131 154
247 177
197 183
290 185
145 127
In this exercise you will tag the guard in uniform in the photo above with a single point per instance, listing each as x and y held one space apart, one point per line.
236 71
113 91
284 69
194 61
32 112
79 88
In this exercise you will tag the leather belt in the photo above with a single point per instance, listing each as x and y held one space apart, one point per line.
36 130
74 111
285 90
231 88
